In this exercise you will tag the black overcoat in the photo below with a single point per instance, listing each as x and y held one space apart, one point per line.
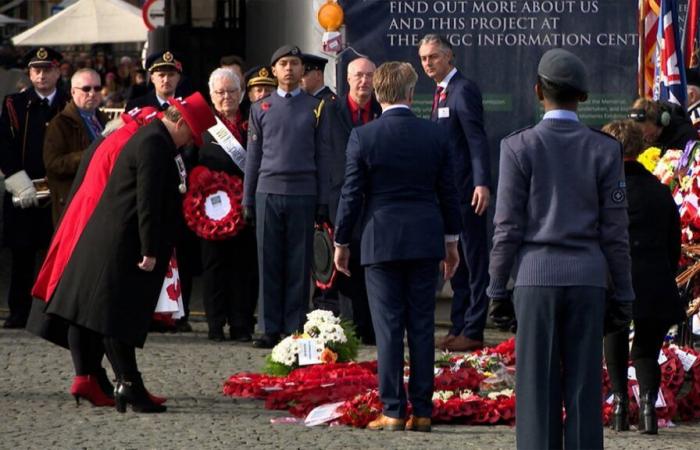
655 245
102 288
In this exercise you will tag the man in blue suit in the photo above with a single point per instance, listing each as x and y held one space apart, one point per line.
398 166
458 111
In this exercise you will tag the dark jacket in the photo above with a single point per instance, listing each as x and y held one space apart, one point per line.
66 139
22 126
655 245
466 136
399 166
340 127
679 131
102 288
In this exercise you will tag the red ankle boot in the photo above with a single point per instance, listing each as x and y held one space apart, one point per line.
155 399
87 387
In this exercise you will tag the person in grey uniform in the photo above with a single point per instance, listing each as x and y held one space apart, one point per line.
562 215
285 188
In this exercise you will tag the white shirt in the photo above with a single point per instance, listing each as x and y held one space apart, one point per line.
282 93
447 78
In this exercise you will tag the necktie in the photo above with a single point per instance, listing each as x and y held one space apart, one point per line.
287 95
95 126
358 118
436 98
44 102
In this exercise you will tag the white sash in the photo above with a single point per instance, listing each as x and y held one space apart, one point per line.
228 143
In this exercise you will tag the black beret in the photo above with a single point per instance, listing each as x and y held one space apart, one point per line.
259 75
42 56
563 68
285 50
313 62
164 60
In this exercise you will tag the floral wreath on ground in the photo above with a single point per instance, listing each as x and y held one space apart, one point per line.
472 389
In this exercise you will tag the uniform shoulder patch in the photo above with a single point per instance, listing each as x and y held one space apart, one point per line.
618 195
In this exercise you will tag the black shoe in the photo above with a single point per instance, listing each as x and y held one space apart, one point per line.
14 322
240 335
620 418
134 393
266 341
216 334
183 326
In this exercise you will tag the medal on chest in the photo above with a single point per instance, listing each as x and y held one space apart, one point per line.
182 172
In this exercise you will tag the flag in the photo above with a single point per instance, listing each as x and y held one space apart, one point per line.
669 84
648 24
690 34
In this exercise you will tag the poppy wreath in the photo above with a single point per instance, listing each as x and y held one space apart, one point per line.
204 183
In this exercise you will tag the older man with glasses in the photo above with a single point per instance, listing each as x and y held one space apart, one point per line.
70 133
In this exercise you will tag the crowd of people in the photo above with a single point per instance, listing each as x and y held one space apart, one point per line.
403 195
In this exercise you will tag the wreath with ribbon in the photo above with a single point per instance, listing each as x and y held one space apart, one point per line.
212 205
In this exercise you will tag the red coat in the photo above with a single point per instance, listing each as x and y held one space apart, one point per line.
78 211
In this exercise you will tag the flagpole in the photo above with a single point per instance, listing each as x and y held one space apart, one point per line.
641 64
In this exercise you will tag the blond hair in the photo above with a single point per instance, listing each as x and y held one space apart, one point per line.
394 82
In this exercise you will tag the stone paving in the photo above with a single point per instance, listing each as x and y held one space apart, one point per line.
36 410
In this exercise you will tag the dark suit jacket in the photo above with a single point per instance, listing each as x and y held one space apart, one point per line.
341 125
466 136
400 166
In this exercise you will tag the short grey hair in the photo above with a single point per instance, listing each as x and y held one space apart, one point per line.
226 74
442 42
78 73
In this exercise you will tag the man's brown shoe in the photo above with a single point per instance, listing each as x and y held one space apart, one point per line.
387 423
441 343
418 424
464 344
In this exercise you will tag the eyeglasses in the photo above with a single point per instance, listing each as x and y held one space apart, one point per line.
231 93
86 89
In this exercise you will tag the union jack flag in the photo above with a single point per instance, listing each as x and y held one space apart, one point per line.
669 83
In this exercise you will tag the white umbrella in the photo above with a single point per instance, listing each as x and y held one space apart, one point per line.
88 22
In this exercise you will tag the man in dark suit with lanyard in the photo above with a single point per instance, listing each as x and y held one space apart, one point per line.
399 167
356 108
458 111
27 227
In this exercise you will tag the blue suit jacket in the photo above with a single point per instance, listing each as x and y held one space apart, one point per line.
466 136
399 165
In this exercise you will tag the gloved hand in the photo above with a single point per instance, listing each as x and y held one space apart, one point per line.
249 215
618 315
21 187
322 215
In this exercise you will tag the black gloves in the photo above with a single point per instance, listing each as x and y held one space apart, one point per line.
322 215
618 315
249 215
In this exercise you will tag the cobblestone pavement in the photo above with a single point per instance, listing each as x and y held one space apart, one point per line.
36 410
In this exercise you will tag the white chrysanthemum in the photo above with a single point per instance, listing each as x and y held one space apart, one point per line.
320 316
443 395
286 351
329 332
502 393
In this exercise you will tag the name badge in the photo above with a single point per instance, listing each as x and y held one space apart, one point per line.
443 113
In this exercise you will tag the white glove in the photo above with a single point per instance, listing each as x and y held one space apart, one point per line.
21 186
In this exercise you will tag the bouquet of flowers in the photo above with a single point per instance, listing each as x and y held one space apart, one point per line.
649 158
337 339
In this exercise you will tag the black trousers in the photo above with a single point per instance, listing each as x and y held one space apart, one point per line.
230 276
649 336
22 273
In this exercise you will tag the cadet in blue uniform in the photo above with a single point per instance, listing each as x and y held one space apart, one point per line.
562 214
27 226
286 183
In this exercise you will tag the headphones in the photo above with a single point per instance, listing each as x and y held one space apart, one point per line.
640 115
